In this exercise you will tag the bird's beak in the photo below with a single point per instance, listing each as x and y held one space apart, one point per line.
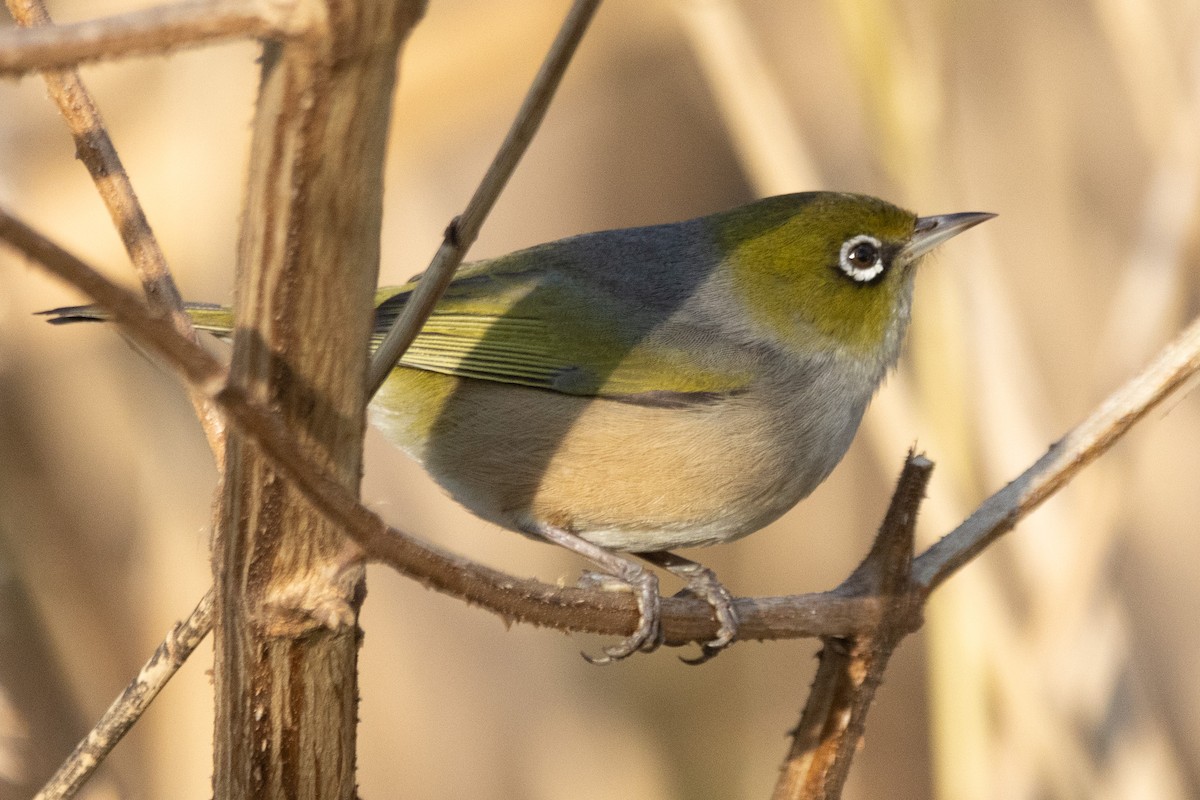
932 231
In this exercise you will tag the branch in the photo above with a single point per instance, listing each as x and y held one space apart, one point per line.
133 316
94 147
463 230
179 643
285 634
851 668
997 515
161 29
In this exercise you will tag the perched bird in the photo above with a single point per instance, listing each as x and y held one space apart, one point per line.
639 390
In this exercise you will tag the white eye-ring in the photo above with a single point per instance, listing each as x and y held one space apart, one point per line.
862 258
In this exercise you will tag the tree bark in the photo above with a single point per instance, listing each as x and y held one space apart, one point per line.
287 587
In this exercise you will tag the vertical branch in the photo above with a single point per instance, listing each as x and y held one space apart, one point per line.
287 600
851 668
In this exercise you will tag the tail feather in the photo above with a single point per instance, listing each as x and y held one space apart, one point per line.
215 319
209 317
218 320
68 314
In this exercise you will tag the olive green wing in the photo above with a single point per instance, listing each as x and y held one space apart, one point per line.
554 333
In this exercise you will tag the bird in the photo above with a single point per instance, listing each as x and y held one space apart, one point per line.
628 392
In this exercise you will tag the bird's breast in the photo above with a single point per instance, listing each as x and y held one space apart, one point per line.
621 474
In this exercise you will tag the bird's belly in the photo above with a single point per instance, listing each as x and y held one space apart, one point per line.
621 475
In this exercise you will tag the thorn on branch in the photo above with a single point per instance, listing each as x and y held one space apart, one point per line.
852 667
452 235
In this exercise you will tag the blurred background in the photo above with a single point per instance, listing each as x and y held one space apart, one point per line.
1061 664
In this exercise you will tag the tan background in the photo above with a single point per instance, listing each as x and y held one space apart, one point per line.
1060 665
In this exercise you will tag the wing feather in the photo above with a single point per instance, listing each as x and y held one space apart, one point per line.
556 334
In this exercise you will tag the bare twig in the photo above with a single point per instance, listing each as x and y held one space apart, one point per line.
594 610
179 643
161 29
94 147
1174 364
851 668
463 230
133 315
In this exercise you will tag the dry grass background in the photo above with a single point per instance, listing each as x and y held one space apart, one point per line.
1061 664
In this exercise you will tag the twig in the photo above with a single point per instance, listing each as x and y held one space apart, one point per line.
94 147
1174 364
131 314
161 29
598 611
463 230
179 643
851 668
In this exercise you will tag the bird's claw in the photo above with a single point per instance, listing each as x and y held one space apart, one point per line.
649 636
703 583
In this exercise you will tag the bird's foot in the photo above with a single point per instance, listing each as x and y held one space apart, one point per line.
648 636
702 583
706 586
623 573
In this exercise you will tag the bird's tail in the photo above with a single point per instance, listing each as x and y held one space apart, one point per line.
218 320
215 319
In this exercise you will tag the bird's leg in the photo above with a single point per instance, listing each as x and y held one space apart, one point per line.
702 582
644 583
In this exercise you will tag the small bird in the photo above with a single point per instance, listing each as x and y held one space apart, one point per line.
634 391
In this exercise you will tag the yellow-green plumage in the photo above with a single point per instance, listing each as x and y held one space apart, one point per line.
702 376
650 388
654 387
506 321
217 320
772 247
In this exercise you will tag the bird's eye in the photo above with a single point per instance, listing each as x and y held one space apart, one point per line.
862 258
863 254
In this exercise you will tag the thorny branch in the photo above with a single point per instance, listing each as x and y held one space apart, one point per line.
1112 419
851 667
